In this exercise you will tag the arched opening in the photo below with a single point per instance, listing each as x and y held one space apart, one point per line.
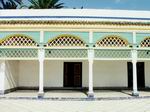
145 42
112 41
66 41
18 40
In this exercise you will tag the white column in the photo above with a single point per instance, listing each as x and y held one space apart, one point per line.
41 72
134 62
90 59
91 55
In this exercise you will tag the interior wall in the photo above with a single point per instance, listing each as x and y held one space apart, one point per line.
28 73
11 74
2 76
110 74
54 73
105 74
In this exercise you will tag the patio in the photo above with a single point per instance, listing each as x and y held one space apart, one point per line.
74 94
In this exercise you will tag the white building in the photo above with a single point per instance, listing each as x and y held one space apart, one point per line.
74 49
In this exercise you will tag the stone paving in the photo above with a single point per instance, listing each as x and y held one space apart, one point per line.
75 94
28 102
134 105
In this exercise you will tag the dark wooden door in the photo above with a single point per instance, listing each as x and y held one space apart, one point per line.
72 74
140 74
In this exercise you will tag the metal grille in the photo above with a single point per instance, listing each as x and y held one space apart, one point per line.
66 40
18 40
66 53
18 53
143 53
112 53
112 41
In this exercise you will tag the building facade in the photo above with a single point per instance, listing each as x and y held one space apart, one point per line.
71 48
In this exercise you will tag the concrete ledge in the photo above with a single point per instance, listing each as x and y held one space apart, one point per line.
10 90
75 99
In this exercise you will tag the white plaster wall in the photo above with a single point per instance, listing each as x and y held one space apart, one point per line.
11 74
110 74
53 73
147 74
53 76
106 73
2 76
28 73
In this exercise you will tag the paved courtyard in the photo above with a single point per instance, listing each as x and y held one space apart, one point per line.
133 105
26 101
74 94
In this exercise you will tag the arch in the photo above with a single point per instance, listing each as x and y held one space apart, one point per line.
145 42
18 40
112 41
66 40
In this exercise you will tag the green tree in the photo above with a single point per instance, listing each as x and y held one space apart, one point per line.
45 4
10 4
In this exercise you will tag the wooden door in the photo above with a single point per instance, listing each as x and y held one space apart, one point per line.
72 74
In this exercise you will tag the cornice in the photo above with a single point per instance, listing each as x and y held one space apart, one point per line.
61 22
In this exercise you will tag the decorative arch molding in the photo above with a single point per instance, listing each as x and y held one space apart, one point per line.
145 42
112 41
66 40
18 40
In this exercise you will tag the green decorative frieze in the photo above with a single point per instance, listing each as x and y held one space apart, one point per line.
18 53
112 53
66 53
143 53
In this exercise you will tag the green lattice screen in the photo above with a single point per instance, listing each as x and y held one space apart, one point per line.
18 53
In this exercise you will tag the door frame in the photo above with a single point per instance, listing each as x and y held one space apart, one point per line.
64 74
137 74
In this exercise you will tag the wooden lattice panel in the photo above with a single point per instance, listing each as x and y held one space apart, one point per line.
66 40
18 40
112 41
146 42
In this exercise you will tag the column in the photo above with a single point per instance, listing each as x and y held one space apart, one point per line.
41 73
134 62
91 61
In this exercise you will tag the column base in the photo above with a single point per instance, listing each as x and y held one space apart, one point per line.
135 93
2 92
90 94
41 95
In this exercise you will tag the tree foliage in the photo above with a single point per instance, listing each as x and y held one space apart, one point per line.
10 4
45 4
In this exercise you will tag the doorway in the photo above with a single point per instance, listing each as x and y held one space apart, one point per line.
140 74
72 74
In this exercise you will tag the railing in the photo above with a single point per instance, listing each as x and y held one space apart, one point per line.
112 53
66 53
100 53
18 53
143 53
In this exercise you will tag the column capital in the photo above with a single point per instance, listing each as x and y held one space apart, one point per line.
41 54
90 54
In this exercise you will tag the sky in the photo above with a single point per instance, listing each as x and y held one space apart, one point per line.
108 4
